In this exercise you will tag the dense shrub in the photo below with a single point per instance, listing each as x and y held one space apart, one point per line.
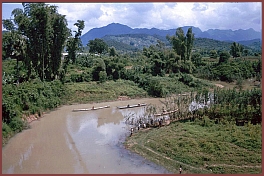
17 124
230 71
6 130
155 89
186 79
77 78
28 98
102 76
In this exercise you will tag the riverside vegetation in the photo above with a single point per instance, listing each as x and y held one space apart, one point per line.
223 138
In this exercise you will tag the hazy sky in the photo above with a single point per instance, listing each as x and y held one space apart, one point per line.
242 15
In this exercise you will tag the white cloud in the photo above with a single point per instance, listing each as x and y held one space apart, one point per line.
199 7
162 15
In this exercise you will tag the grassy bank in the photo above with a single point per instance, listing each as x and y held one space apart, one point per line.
202 147
87 92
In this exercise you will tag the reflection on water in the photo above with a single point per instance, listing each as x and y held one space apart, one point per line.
78 142
25 156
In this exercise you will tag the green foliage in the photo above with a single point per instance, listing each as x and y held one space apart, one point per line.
224 56
186 79
97 46
162 61
196 59
236 50
109 90
201 45
74 44
112 52
6 130
186 67
14 45
133 42
204 46
102 76
17 124
99 66
120 46
77 78
28 98
44 32
7 79
213 54
230 71
182 44
189 43
155 88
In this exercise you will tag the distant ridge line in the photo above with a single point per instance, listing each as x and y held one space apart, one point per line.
216 34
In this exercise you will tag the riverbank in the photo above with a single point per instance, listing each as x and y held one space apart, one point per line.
196 163
198 147
65 142
201 148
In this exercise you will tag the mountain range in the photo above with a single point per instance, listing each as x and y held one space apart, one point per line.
216 34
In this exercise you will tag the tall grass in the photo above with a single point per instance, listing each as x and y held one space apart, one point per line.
97 92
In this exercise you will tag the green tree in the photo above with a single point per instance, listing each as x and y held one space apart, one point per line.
74 44
236 50
196 59
8 25
245 52
7 45
13 44
158 66
172 61
178 43
99 66
182 44
97 46
61 32
45 32
224 56
155 88
189 43
213 54
112 52
102 76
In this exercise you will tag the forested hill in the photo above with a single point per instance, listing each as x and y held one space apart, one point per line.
135 42
216 34
254 44
210 44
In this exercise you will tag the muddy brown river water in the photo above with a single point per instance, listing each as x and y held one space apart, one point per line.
66 142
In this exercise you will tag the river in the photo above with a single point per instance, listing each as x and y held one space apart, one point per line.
67 142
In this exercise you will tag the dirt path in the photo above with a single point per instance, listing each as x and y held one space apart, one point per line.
230 165
158 155
219 85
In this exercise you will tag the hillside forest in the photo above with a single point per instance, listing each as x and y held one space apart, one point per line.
36 78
